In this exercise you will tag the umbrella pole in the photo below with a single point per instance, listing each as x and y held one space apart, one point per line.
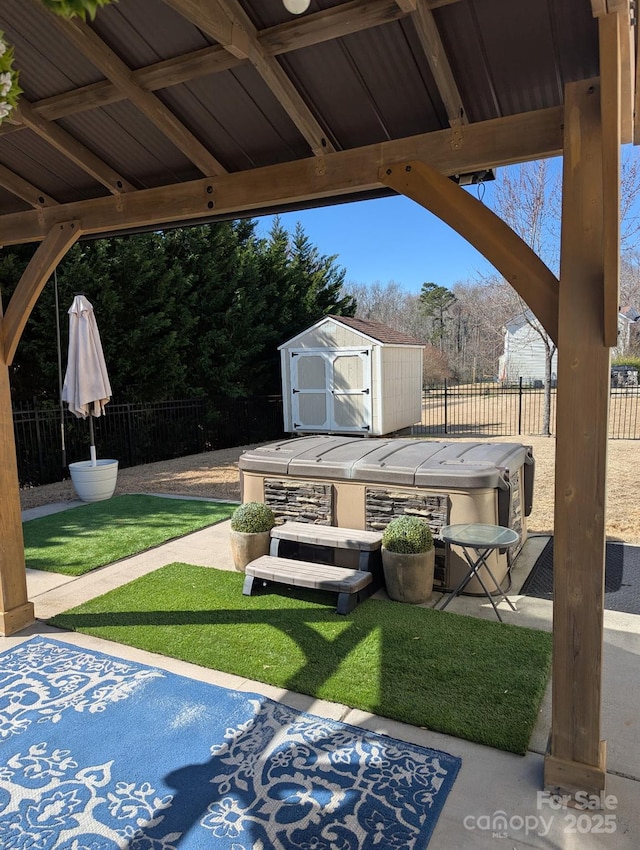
62 434
92 442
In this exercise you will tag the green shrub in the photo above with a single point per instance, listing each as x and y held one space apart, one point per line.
253 517
408 535
627 360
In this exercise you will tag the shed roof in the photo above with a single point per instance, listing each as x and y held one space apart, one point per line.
375 331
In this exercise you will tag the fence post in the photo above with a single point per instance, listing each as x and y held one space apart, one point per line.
130 442
520 406
36 419
446 412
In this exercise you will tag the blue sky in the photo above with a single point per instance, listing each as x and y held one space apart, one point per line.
390 239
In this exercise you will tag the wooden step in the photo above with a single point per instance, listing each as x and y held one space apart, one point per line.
350 585
328 535
368 544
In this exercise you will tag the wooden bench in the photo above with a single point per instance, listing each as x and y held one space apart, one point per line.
367 543
351 585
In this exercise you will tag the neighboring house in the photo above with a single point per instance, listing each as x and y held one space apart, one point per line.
524 352
628 326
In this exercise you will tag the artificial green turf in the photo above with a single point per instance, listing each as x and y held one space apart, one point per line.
472 678
76 541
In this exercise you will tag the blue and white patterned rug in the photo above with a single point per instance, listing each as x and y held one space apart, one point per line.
98 753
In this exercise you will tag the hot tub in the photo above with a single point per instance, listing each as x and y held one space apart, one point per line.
364 483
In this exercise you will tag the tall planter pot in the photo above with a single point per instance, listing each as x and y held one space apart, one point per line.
246 547
409 577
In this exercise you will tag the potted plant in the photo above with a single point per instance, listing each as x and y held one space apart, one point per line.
251 525
408 559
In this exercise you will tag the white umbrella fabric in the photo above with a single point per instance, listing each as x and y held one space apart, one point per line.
86 386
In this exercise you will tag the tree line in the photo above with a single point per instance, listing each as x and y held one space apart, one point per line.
191 312
463 326
201 311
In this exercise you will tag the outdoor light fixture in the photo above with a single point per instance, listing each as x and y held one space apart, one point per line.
473 177
296 7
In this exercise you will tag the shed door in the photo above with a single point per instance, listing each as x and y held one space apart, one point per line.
331 390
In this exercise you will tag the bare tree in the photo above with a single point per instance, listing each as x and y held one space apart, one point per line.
526 197
481 315
391 305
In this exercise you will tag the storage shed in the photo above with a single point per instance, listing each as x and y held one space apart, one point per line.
351 376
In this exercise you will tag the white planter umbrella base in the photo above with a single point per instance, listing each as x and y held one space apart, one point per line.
94 483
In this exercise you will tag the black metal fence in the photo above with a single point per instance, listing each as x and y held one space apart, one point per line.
144 433
513 409
139 433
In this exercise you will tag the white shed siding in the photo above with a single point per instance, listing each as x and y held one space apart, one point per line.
372 386
400 387
328 335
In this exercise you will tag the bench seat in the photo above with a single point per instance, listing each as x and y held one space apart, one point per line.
350 585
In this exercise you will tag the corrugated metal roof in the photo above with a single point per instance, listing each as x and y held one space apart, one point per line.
346 75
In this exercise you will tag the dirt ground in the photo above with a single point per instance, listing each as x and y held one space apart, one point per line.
215 475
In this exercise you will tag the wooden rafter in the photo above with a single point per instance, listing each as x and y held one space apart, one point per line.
336 22
351 17
227 22
486 144
170 72
21 188
101 55
433 47
70 147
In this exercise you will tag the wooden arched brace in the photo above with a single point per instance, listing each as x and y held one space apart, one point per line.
47 256
534 282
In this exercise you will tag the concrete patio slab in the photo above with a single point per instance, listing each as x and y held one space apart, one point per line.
498 799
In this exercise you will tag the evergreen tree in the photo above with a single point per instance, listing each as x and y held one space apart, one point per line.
226 306
193 311
436 301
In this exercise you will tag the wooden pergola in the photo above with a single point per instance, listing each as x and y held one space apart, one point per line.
166 112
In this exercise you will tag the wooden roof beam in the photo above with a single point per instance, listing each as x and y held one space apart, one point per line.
241 39
21 188
336 22
70 147
164 74
100 54
355 16
484 144
433 47
620 10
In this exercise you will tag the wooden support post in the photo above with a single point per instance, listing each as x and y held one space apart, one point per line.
16 611
577 757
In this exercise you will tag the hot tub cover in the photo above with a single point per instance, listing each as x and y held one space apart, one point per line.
406 462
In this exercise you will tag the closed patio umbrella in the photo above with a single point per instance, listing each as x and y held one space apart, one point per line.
86 386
